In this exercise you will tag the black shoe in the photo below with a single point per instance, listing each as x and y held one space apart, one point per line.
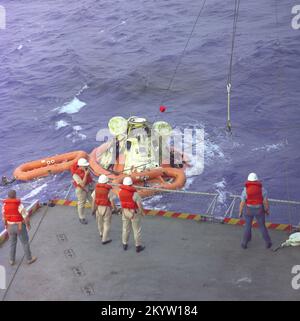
106 242
83 221
139 248
269 245
125 247
244 246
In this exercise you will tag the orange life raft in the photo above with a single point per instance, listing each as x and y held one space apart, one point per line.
161 177
47 166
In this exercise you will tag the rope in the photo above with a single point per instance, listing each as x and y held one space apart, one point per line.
69 191
288 194
289 202
181 56
206 194
280 71
229 79
169 190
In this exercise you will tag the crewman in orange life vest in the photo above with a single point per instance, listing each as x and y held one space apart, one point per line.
132 212
16 221
103 203
254 196
82 181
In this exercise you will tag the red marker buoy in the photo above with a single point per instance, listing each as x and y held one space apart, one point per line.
162 109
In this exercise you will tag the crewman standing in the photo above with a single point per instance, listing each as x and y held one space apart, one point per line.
254 196
132 212
16 221
82 181
103 203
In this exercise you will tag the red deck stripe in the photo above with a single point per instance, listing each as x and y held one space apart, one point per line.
226 220
175 214
288 228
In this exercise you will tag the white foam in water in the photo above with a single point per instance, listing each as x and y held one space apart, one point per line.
270 147
244 280
188 182
82 136
154 199
212 151
72 107
81 90
76 135
20 47
34 192
220 189
221 184
60 124
112 28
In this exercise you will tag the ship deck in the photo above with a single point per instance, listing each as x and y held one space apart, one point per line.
183 260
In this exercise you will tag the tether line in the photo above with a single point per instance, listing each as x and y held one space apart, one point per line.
229 79
181 56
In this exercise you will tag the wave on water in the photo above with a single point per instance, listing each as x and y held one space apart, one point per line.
34 192
71 107
76 135
220 189
61 124
270 147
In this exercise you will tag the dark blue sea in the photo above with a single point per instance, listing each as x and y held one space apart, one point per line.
67 67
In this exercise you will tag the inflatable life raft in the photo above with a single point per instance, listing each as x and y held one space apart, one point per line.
158 178
50 165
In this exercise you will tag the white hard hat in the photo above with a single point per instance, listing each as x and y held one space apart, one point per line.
252 177
103 179
83 162
127 181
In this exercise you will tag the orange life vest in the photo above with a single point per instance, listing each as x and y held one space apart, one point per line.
80 172
126 197
101 195
254 193
11 210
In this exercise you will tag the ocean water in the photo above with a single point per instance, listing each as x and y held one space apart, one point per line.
68 67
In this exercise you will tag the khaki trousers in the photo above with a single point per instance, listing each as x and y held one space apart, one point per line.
131 218
82 197
103 217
